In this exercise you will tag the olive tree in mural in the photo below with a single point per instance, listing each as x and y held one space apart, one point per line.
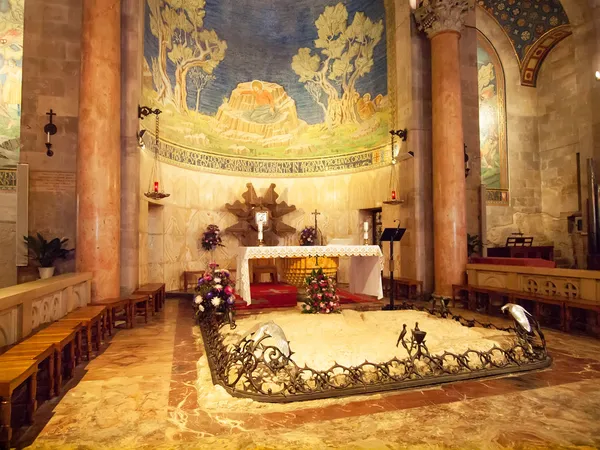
344 54
179 27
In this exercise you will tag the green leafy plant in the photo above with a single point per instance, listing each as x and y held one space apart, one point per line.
473 244
46 252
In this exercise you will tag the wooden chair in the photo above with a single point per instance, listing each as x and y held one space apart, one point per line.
139 304
190 278
156 291
264 266
113 307
89 317
14 373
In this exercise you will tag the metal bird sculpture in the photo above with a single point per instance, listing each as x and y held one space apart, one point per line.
402 334
273 331
519 314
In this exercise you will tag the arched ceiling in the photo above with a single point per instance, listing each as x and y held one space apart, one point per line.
533 28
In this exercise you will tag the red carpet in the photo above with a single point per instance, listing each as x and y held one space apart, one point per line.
276 295
269 295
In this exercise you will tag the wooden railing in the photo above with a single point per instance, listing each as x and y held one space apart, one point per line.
567 283
24 307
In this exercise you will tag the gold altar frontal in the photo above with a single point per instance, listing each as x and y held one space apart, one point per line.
295 270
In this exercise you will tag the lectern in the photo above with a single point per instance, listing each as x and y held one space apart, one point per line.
392 235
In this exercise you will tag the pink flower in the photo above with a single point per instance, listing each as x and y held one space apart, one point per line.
228 290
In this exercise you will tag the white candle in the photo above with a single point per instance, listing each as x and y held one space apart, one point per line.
366 226
366 233
48 137
260 231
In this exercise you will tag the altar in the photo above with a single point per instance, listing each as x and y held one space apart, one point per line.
366 264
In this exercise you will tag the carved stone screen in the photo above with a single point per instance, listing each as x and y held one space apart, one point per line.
270 87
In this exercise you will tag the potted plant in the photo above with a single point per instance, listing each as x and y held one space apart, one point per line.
46 252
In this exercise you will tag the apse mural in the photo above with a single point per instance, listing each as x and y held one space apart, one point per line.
492 121
287 87
11 63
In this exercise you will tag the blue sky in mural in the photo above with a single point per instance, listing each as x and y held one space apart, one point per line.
262 37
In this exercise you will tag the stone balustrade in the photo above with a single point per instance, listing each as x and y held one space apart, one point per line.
569 283
24 307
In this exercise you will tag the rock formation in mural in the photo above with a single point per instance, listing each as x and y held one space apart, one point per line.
258 111
239 78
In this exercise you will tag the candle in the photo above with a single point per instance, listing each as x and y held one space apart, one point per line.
156 186
260 231
393 195
48 137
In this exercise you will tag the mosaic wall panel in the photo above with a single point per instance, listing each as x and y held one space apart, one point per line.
302 87
492 122
11 63
533 27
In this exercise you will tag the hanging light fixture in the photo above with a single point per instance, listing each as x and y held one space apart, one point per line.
393 190
155 191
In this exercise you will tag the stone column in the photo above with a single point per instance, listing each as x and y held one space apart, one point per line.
131 80
99 156
443 20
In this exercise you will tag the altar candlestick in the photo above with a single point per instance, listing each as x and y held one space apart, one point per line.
260 232
366 232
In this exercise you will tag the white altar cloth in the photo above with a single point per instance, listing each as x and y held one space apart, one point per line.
365 266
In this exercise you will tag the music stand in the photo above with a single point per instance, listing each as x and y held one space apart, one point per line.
392 235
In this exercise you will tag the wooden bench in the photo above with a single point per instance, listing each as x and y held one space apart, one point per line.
89 317
113 307
13 373
156 291
139 304
414 288
63 338
38 352
578 303
511 296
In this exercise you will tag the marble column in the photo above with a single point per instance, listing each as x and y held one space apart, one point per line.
131 80
443 20
98 155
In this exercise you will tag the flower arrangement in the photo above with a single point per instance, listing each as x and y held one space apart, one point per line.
211 239
215 290
308 236
321 294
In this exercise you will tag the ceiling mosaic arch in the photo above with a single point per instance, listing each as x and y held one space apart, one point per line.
286 88
533 27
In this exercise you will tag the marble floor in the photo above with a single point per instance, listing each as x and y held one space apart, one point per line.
143 391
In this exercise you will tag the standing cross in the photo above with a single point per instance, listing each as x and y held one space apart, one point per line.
316 213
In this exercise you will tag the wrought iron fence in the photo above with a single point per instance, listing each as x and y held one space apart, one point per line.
262 372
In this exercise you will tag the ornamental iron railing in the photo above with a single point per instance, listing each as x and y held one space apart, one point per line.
264 373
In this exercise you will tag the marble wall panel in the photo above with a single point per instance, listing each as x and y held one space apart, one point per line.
8 229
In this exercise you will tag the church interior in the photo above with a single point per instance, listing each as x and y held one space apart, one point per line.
300 224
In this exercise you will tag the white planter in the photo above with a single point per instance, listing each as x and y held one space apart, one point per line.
46 272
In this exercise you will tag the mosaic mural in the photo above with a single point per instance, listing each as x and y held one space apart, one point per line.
492 120
298 87
525 22
11 63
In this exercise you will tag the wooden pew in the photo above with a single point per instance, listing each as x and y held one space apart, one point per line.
578 303
156 291
89 317
511 296
414 288
113 307
14 373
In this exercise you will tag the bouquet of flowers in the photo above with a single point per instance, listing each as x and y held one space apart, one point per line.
321 296
215 291
211 239
308 236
